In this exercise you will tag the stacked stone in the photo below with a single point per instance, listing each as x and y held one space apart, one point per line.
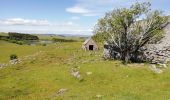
158 55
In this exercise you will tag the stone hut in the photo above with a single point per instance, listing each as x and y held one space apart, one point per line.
89 44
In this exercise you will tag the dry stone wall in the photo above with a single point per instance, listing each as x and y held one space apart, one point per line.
160 53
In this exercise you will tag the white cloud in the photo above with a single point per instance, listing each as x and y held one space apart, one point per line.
64 24
32 22
77 9
98 7
42 26
81 10
90 7
20 21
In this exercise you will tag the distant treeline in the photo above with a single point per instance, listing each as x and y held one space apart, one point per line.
63 40
20 36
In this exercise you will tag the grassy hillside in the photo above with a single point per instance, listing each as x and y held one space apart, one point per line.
7 49
3 34
46 37
50 37
45 70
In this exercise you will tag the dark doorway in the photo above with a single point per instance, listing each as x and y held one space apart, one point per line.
90 47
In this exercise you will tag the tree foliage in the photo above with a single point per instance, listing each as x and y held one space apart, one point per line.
20 36
129 29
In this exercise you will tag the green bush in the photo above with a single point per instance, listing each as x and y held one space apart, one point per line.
44 44
13 56
20 42
13 41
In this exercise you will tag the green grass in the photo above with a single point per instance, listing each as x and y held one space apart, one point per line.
3 34
40 77
6 49
49 37
46 37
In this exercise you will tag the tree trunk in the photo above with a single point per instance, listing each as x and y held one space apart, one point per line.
126 56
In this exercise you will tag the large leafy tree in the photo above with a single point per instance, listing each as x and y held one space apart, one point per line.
129 29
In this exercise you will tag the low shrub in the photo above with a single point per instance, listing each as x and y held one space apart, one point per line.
13 56
20 42
44 44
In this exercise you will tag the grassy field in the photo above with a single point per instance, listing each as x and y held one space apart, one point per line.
45 70
6 49
3 34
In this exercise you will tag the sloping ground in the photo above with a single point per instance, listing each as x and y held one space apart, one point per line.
48 76
6 49
3 34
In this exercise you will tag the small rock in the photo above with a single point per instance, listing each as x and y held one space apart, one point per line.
14 61
155 69
61 92
88 73
3 65
163 65
75 73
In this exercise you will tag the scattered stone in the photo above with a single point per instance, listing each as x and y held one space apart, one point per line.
75 73
3 65
163 65
61 92
14 61
155 69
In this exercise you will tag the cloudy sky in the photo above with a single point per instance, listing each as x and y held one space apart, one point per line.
61 16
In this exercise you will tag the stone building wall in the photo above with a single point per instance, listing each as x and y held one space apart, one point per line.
160 53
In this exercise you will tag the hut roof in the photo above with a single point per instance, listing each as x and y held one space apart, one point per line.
87 40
